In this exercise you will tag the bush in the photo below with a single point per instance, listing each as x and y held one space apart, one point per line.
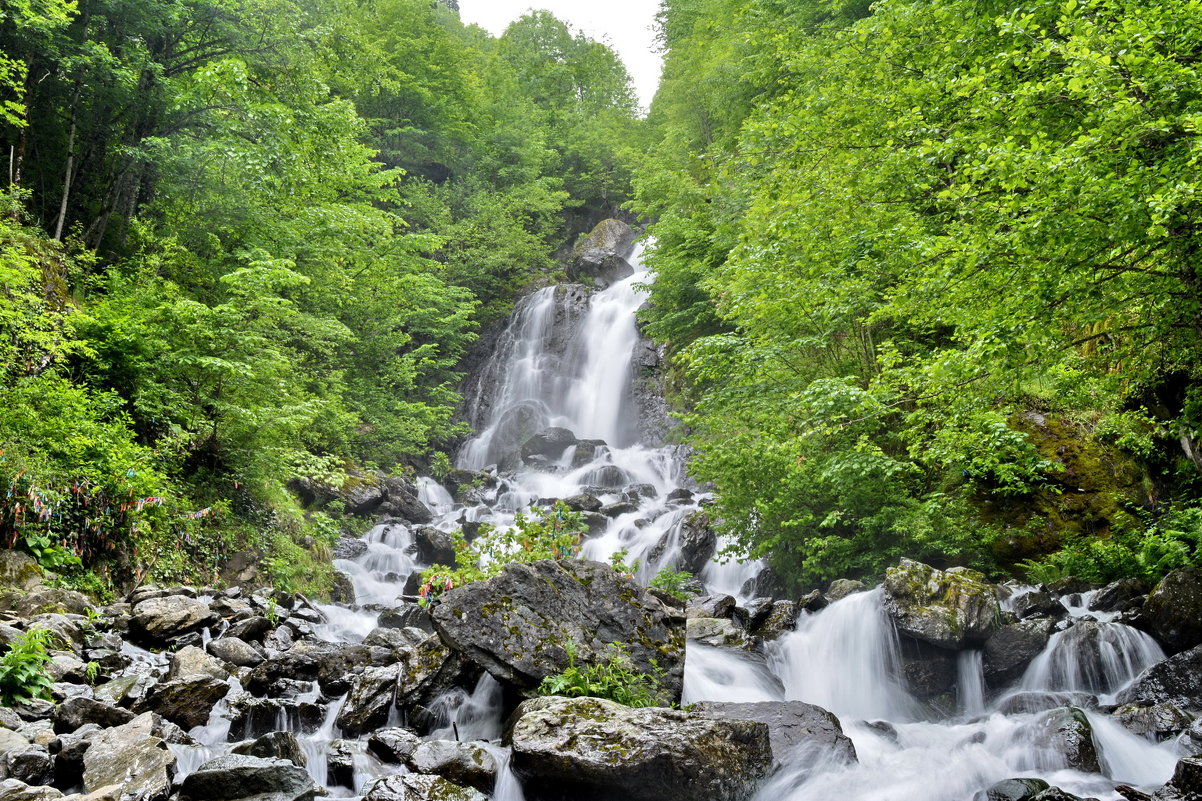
614 678
23 674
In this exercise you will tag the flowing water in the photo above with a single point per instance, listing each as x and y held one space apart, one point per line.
569 360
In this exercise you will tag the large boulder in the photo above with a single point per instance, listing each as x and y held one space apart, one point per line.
696 539
466 764
1011 648
187 701
421 788
794 727
433 546
276 745
602 254
132 756
235 777
1177 681
951 609
80 711
1063 738
372 694
597 746
156 621
516 625
1186 784
1173 611
547 445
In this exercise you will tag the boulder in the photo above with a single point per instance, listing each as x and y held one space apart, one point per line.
350 547
583 503
31 764
1177 681
951 609
841 588
1063 738
372 694
340 764
929 673
401 500
236 652
717 632
187 702
781 619
590 745
1120 596
156 621
1155 721
1038 604
793 726
80 711
547 445
1012 790
602 254
251 629
466 764
253 717
698 542
17 790
420 788
132 756
274 745
428 671
235 777
393 745
515 625
1011 648
432 546
40 600
1173 611
192 661
1186 784
19 571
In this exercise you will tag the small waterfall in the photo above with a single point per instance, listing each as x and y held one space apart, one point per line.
720 674
465 717
1092 657
844 659
970 682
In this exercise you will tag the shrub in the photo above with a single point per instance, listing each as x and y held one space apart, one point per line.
614 678
23 674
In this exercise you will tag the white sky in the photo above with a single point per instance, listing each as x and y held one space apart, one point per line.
625 25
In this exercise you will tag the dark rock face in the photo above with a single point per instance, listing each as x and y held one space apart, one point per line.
1065 740
1173 611
1177 681
698 542
1011 648
781 619
1013 790
602 254
187 701
372 694
1120 596
79 711
603 748
434 547
1186 784
515 624
547 445
951 609
929 673
276 745
791 725
158 620
31 764
236 777
1038 604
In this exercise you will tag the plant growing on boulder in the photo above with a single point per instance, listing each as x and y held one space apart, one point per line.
673 582
23 667
615 678
555 533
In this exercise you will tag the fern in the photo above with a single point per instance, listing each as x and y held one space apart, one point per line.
23 674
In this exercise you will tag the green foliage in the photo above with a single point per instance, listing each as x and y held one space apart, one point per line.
673 582
23 674
554 533
614 677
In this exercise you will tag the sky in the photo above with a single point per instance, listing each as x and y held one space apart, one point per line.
625 25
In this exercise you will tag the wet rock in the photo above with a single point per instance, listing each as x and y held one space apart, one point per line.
401 500
254 717
680 495
1120 596
1173 611
950 609
274 745
252 629
781 619
395 640
1010 649
1032 702
1056 794
587 451
618 509
635 492
235 651
11 741
548 444
1186 784
1038 604
350 548
753 613
466 764
31 764
841 588
187 701
156 621
235 777
132 756
1064 739
592 745
601 255
1177 681
340 764
16 790
420 788
433 547
393 745
1013 790
372 694
793 727
929 673
716 632
428 671
712 606
515 625
1156 721
698 542
408 616
76 712
814 601
583 503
